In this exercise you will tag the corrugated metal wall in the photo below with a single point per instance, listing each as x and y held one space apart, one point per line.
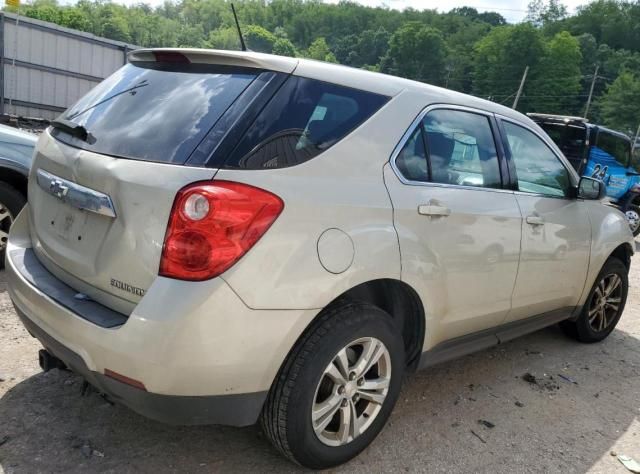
46 68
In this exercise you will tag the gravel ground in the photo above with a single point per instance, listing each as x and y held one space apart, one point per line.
46 425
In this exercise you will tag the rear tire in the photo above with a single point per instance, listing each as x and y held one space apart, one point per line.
604 305
326 371
11 203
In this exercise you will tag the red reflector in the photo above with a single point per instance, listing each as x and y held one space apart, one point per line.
170 57
205 238
124 379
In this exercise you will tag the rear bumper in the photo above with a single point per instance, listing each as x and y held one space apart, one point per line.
234 410
202 354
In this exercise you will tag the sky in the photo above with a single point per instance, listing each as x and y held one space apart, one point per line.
512 10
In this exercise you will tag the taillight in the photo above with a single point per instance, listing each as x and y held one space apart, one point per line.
212 225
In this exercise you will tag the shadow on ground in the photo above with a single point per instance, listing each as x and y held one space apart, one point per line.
49 426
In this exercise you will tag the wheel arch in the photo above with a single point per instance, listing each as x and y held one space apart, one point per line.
623 252
396 298
15 178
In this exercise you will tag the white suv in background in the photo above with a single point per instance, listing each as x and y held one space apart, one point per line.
226 237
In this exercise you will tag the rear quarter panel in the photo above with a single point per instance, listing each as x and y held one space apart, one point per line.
342 188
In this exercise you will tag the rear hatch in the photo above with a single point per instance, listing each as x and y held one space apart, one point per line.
104 177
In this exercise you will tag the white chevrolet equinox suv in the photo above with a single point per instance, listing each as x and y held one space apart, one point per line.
226 237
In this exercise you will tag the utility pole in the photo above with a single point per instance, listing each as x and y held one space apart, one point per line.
593 84
524 78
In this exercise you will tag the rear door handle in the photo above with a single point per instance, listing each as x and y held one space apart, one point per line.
433 210
535 220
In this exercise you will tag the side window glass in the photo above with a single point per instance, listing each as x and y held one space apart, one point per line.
303 119
412 159
461 149
611 148
539 170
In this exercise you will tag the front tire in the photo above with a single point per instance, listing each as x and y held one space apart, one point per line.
604 305
633 218
337 387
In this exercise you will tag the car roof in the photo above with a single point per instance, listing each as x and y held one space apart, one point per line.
10 134
335 73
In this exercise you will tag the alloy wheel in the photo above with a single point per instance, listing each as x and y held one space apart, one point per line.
634 220
6 219
605 302
351 391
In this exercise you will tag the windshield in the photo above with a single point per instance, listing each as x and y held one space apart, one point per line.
158 112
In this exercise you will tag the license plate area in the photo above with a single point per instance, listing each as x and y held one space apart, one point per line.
73 238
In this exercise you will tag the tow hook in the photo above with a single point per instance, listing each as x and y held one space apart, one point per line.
48 361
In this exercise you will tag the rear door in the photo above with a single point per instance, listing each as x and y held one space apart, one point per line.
459 229
609 161
100 205
556 231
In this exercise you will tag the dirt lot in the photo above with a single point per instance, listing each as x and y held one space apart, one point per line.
551 426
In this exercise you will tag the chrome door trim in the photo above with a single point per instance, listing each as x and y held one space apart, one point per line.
398 148
75 194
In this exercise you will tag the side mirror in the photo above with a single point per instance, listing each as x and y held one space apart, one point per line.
591 189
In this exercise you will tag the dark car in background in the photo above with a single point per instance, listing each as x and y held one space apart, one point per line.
16 151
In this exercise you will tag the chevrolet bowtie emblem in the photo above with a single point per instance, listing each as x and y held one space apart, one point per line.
58 189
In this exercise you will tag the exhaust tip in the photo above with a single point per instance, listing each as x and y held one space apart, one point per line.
48 361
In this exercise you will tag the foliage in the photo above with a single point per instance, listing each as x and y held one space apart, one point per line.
258 39
466 50
418 52
619 105
501 58
319 50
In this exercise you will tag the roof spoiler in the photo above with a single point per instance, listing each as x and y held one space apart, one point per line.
248 59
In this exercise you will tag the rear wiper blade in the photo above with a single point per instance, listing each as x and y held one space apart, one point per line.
72 128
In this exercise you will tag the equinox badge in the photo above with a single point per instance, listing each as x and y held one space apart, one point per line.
127 287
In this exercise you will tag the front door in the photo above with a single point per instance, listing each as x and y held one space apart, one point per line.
556 231
459 229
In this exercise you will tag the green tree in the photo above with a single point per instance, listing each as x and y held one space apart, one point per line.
418 52
319 50
541 13
284 47
259 39
501 58
620 103
224 38
556 88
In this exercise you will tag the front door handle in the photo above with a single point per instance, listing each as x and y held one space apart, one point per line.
535 220
433 210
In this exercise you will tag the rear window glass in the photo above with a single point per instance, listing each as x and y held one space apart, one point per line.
303 119
158 112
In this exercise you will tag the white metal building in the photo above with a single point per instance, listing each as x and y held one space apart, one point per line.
46 68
